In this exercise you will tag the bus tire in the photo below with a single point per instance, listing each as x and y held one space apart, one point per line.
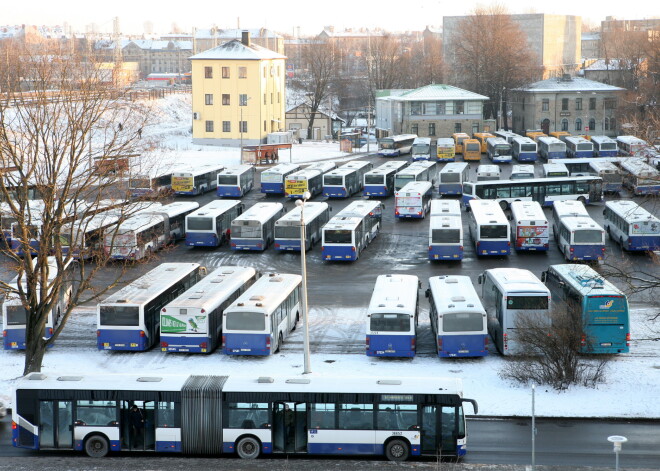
96 446
280 341
248 448
582 200
397 450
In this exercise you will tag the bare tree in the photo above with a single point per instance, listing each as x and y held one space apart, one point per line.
386 58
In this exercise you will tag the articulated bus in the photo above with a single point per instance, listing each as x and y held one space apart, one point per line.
413 200
579 147
129 319
631 226
531 230
309 180
196 181
351 230
235 182
392 317
451 178
551 148
458 138
421 149
192 323
524 149
445 231
604 146
209 226
601 306
419 171
640 178
272 179
255 228
145 186
498 150
15 313
578 236
445 150
471 150
395 417
522 172
610 173
458 320
175 217
258 322
508 136
510 295
380 181
287 228
630 146
482 137
394 146
345 180
489 228
552 170
137 237
583 167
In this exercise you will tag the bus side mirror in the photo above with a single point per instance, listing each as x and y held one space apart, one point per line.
603 212
509 217
427 293
480 279
544 276
330 207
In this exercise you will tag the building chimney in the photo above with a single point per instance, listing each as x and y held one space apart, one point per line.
245 38
566 78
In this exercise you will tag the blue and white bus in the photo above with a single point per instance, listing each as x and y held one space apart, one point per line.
508 136
630 146
192 323
421 149
610 173
509 296
524 149
531 230
272 179
351 230
85 238
451 178
138 237
397 418
209 226
413 200
631 226
345 180
458 320
551 148
287 228
578 147
394 146
640 178
259 321
8 216
196 181
578 236
235 182
129 319
255 228
604 146
445 231
392 317
555 170
522 172
175 217
418 171
309 179
380 181
154 184
489 228
602 307
498 149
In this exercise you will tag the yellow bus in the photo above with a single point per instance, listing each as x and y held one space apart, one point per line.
471 150
481 137
559 134
458 138
535 135
446 150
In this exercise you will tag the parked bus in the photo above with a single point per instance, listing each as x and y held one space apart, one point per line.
255 228
535 135
471 150
351 230
148 185
413 200
345 180
235 182
8 217
489 228
175 217
259 321
640 178
395 146
578 147
392 317
210 225
524 149
561 135
509 296
380 181
610 173
445 150
531 230
287 228
544 190
17 184
451 178
392 417
551 148
498 149
137 237
482 137
555 170
578 236
487 172
421 149
15 313
458 138
633 227
458 320
445 230
601 306
192 323
582 167
630 146
419 171
129 319
272 179
309 180
522 172
604 146
85 238
196 181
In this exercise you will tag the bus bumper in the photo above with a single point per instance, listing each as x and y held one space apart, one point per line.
123 340
186 344
13 339
242 244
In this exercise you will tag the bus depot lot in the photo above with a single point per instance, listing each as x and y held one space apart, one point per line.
339 294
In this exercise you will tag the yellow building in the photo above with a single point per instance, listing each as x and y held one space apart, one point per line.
238 93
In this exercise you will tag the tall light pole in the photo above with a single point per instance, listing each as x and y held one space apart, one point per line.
240 124
617 440
303 248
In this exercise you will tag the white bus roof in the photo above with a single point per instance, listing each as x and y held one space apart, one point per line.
449 221
489 168
140 221
493 141
322 166
237 170
388 167
631 211
413 170
423 164
214 208
260 212
400 137
454 167
176 208
445 207
632 140
528 211
488 212
414 187
548 140
281 169
312 211
359 209
577 140
524 140
602 139
198 170
119 382
455 293
422 140
445 141
91 223
565 208
603 166
639 168
585 280
356 164
266 293
555 166
339 222
587 160
581 223
525 168
517 280
341 171
394 294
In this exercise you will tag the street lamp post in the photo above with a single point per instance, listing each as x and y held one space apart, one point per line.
617 440
303 248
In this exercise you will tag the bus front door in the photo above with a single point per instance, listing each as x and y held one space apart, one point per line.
289 427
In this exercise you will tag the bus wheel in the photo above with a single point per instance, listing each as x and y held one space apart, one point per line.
397 450
96 446
280 341
248 448
582 200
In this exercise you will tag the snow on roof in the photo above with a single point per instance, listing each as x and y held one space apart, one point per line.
590 36
350 33
235 49
323 110
152 44
437 92
574 84
212 33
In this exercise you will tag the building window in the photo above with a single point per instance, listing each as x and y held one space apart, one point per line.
564 104
431 129
208 72
264 72
242 72
564 125
457 127
606 124
545 105
612 124
578 104
440 107
208 99
226 126
414 128
578 124
225 99
242 125
209 126
225 72
523 104
458 105
475 127
242 99
592 124
415 108
264 126
271 98
592 103
429 108
265 99
279 96
610 103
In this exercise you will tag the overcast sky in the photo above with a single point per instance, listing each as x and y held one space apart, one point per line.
392 15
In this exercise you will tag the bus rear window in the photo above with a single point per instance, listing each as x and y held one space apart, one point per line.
120 315
588 237
383 322
287 232
338 236
16 315
199 224
527 302
446 236
493 231
246 321
373 179
527 148
450 177
332 180
463 322
227 180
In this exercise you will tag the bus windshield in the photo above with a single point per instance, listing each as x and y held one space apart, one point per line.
382 322
527 302
493 231
463 322
338 236
446 236
588 237
387 144
16 315
420 149
120 315
246 321
199 224
373 179
527 148
227 180
333 180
